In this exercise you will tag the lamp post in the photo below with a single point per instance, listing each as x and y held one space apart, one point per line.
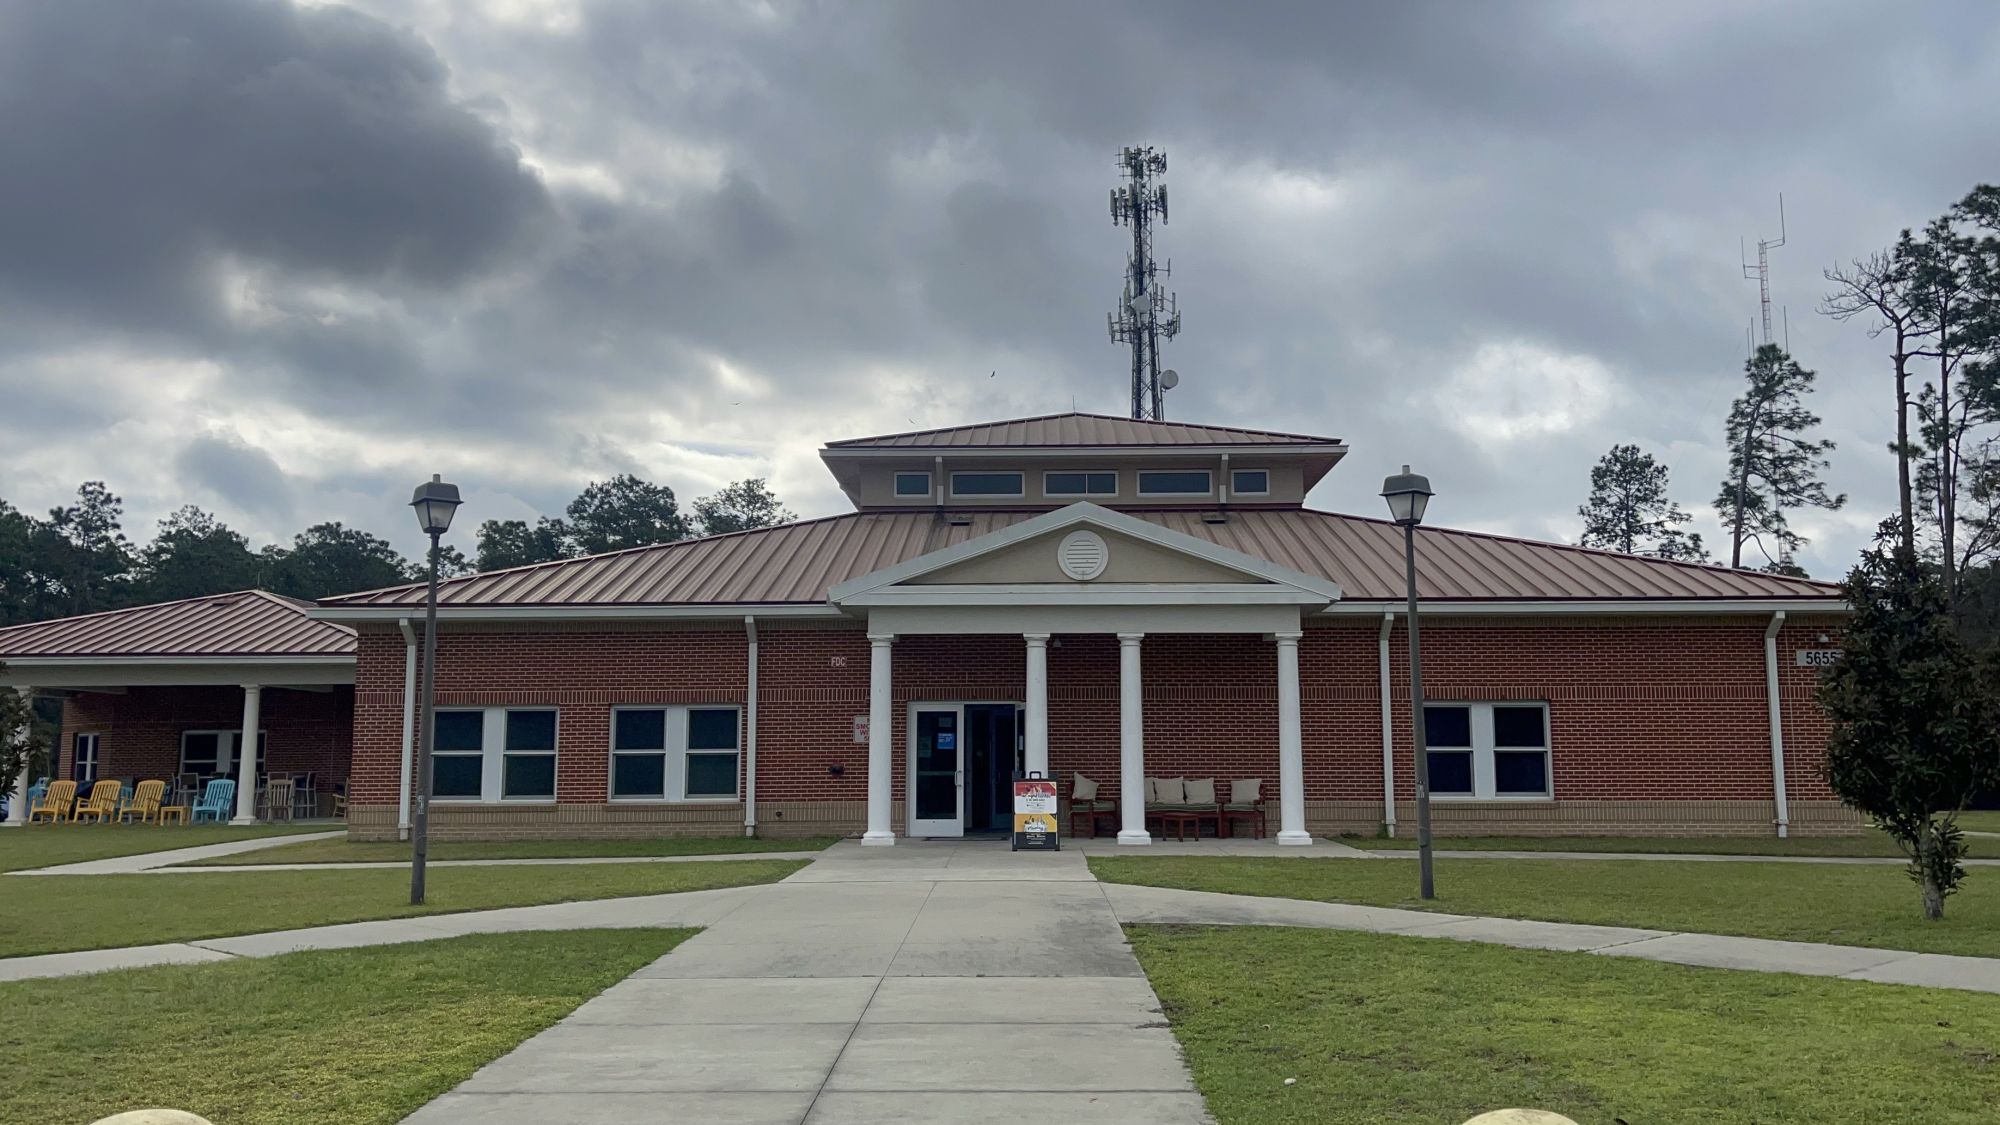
1408 494
435 501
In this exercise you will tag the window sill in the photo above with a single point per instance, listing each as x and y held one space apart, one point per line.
1468 799
671 801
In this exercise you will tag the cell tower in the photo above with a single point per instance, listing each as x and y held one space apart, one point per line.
1146 313
1762 270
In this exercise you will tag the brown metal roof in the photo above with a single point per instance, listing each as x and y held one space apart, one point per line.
799 562
250 623
1056 431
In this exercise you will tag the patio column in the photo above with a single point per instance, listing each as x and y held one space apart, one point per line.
246 756
1291 749
17 805
881 768
1038 703
1131 743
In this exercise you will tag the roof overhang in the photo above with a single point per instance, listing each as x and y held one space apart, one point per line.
718 611
58 672
1591 607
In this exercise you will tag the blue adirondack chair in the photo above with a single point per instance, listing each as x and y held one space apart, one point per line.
37 791
217 802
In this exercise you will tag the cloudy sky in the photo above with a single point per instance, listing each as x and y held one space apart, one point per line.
285 260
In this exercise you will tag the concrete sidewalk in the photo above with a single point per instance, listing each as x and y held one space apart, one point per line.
1888 966
935 983
148 861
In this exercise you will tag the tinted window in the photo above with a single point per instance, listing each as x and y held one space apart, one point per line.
1170 483
640 730
1519 726
198 752
1447 726
1451 772
711 775
455 776
986 484
1517 772
529 775
711 729
1080 484
913 484
639 775
531 730
1250 481
458 730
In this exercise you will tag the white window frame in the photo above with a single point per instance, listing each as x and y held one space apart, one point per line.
1020 489
677 754
1117 485
77 756
901 497
1235 491
493 756
1481 721
228 749
1142 493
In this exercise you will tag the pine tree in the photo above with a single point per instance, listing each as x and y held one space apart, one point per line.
1772 466
1629 509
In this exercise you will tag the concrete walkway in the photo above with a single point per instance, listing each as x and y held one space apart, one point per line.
1674 857
148 861
536 861
1889 966
934 983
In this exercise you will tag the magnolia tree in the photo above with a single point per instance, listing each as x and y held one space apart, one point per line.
1916 726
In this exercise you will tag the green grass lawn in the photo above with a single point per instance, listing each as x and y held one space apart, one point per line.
45 845
1846 904
1385 1030
54 913
1980 820
342 851
1873 843
339 1037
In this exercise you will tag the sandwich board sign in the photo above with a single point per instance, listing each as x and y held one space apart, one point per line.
1035 814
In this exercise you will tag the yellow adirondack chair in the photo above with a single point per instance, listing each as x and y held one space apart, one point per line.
55 804
145 802
101 805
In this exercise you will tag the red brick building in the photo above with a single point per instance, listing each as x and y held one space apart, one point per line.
1093 596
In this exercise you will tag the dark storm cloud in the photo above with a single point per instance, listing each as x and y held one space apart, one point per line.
1493 237
237 473
144 140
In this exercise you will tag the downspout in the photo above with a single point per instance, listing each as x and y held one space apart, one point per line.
409 724
1777 723
750 734
1388 730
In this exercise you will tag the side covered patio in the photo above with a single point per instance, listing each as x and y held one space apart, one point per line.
166 693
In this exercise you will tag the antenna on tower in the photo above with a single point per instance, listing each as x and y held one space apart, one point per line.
1146 313
1762 269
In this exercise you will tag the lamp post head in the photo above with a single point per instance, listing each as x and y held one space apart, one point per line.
435 501
1408 494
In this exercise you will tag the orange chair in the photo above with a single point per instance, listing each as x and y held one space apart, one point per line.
56 804
101 805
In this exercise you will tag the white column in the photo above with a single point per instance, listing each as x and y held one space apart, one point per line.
246 757
1291 746
1038 703
1131 743
17 805
881 767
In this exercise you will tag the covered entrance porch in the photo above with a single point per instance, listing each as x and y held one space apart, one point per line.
1082 575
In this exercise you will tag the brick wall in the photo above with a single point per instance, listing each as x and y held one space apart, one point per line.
1645 713
140 731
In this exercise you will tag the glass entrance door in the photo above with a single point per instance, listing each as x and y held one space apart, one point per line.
937 771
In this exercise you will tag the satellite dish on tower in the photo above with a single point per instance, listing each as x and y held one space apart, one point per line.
1169 379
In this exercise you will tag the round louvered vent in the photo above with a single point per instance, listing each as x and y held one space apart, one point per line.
1083 555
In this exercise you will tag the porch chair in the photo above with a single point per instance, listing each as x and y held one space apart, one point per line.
37 791
57 802
101 805
145 802
278 799
217 801
1179 797
1246 804
1085 806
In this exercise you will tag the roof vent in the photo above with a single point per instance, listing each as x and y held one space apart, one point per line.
1215 517
958 519
1083 555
